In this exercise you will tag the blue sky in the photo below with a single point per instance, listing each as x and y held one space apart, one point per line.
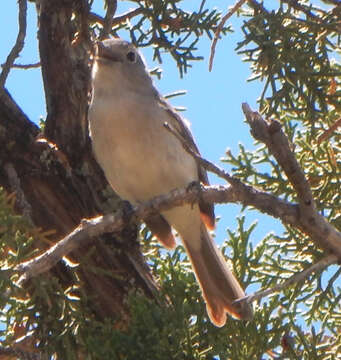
213 100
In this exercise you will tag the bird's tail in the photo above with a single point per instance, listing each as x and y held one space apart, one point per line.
219 286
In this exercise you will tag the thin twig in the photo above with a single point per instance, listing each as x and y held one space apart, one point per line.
219 29
203 162
24 66
19 44
320 265
214 169
128 15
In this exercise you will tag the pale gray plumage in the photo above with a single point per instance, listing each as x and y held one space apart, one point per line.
142 159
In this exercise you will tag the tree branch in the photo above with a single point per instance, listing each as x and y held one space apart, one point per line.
270 133
19 44
320 265
91 228
117 19
235 7
309 220
246 194
304 9
24 66
109 17
317 227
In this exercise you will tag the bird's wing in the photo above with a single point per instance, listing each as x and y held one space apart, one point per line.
178 124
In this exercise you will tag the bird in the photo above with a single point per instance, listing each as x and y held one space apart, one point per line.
141 159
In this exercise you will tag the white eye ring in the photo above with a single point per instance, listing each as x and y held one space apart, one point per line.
131 56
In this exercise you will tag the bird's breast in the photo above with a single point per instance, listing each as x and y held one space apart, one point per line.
139 156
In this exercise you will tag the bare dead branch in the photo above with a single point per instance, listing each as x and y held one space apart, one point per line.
309 220
301 276
91 228
49 258
235 7
19 43
270 133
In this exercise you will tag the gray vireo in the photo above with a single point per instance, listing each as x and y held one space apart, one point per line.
142 159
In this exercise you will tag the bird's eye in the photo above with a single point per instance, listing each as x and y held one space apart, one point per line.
131 56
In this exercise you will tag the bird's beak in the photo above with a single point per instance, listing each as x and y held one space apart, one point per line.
103 52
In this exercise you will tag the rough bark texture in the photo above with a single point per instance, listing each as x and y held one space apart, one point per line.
64 184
